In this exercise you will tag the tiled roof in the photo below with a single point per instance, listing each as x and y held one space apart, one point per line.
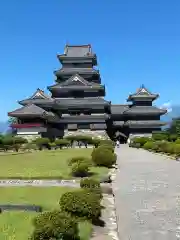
29 110
78 50
119 108
37 101
75 81
146 123
145 110
76 70
142 93
39 97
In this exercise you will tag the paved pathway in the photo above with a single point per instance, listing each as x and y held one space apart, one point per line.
147 195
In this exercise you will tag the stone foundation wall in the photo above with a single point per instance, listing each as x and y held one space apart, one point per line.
131 136
95 134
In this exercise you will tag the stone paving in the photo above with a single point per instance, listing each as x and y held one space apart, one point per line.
147 195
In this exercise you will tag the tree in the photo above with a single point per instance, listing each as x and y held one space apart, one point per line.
12 120
174 127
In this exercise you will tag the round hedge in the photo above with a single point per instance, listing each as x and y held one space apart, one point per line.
103 157
106 146
80 169
79 159
55 225
81 204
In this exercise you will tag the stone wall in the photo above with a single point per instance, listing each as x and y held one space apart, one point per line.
95 134
131 136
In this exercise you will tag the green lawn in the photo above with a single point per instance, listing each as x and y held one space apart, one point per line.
17 225
43 164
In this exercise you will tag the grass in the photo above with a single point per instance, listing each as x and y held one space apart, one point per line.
47 197
43 164
18 225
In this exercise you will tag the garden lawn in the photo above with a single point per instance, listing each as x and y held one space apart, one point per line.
18 224
43 164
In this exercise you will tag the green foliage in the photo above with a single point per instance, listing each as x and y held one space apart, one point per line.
80 159
107 146
173 137
80 138
134 144
141 140
81 204
174 127
42 143
148 145
177 141
80 169
62 143
103 157
12 120
107 142
177 149
160 136
55 225
10 142
91 185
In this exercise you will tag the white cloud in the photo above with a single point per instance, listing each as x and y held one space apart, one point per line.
167 106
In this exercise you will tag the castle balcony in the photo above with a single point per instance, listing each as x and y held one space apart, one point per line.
81 103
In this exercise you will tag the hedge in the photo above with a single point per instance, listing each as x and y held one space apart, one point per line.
81 204
55 225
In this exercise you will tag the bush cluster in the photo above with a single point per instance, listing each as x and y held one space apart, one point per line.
104 156
55 225
81 204
77 205
11 143
159 143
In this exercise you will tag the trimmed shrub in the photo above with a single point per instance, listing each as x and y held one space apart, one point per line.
148 145
103 157
177 149
80 159
92 186
89 183
141 140
80 138
42 143
160 136
81 204
55 225
62 143
173 137
107 142
170 148
80 169
177 141
106 146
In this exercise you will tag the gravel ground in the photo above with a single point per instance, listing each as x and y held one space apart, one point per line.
147 195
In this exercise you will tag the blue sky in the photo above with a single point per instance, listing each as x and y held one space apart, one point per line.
136 42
